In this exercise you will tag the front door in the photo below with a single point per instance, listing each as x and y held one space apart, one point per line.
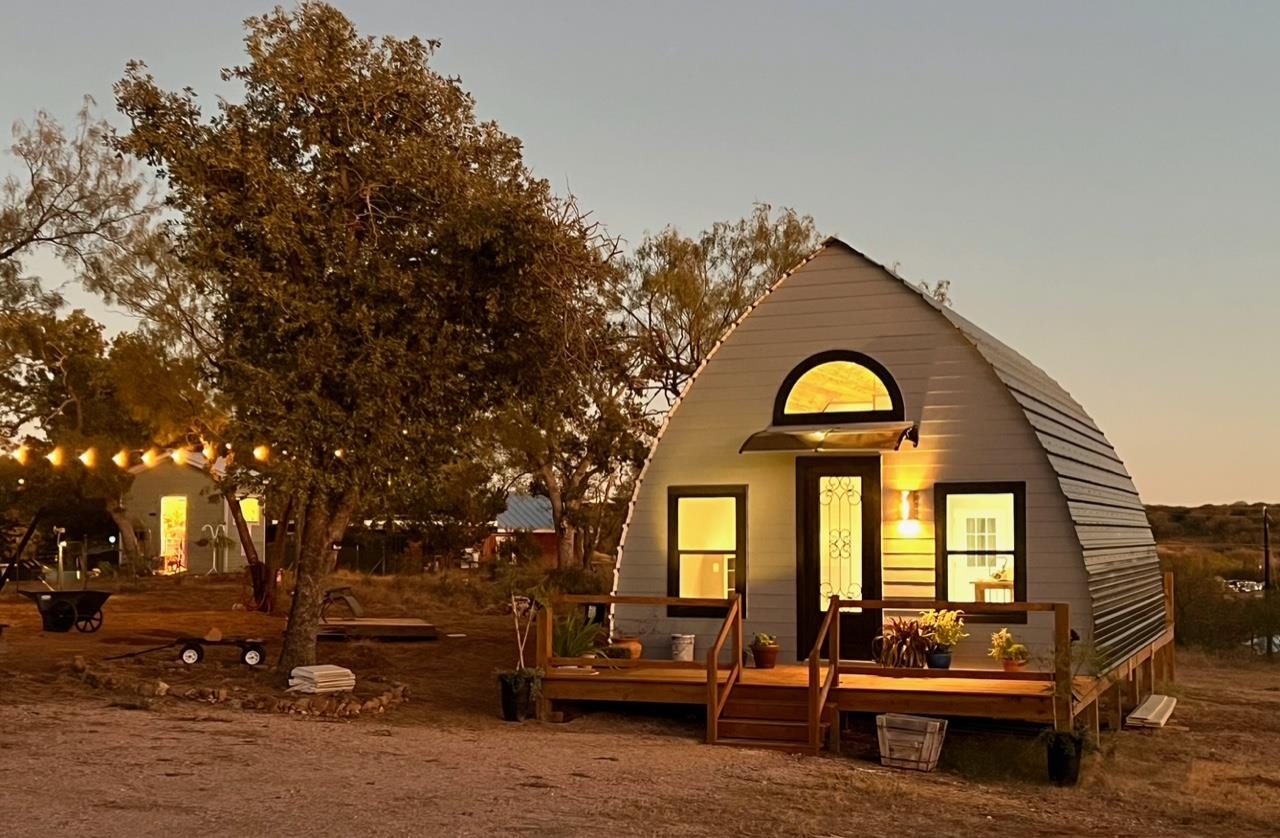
838 548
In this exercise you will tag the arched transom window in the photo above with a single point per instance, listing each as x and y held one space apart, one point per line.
838 386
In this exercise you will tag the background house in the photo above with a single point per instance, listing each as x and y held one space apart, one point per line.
183 524
527 519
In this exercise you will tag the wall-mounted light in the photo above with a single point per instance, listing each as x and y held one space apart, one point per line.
909 514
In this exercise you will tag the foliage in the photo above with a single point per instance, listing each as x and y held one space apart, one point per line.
944 628
520 548
762 639
682 294
1217 526
904 643
1005 648
1206 613
74 198
381 265
574 637
523 678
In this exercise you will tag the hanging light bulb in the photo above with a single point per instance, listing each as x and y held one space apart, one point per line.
57 456
261 452
210 451
89 457
121 459
179 456
22 454
150 457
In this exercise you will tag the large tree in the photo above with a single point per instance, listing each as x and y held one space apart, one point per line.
683 293
384 264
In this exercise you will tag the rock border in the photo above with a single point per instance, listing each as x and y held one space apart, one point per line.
330 705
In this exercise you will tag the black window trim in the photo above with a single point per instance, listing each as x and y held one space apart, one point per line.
896 413
941 491
736 491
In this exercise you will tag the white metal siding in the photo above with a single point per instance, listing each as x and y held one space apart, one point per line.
971 430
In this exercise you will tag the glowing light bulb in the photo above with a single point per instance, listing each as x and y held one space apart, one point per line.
261 452
57 456
89 458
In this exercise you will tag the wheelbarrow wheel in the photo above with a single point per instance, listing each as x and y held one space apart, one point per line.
62 615
191 654
253 654
91 623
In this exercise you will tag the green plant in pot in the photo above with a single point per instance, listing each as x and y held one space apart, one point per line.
764 649
903 644
944 629
519 687
574 637
1013 656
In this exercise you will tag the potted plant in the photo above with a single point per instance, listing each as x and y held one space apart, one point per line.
574 637
903 645
520 686
1065 748
1013 656
765 648
945 629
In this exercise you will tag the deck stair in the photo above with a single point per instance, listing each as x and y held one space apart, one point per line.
766 717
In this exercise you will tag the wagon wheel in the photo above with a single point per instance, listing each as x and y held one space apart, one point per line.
191 654
62 615
253 654
91 623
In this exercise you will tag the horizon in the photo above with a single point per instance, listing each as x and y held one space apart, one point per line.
1117 156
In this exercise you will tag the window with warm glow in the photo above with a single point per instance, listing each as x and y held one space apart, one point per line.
981 543
251 508
838 386
173 533
706 549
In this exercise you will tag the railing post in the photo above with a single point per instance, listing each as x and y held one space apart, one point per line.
833 643
542 658
737 636
1062 685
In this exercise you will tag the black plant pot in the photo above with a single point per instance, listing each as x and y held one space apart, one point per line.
938 659
515 698
1065 750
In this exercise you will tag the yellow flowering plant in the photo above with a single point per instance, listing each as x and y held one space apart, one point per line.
944 628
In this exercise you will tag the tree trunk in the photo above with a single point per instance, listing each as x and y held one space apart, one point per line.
325 522
130 550
566 545
257 570
276 555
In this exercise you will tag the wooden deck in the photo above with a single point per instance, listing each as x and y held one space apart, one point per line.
811 697
377 628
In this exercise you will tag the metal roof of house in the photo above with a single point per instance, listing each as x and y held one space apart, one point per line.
526 512
1126 587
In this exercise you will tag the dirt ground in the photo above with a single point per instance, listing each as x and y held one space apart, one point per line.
79 760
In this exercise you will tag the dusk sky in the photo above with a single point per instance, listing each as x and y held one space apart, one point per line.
1100 182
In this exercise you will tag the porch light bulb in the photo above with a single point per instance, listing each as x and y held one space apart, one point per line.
121 459
179 456
150 457
89 458
909 525
57 456
22 454
261 452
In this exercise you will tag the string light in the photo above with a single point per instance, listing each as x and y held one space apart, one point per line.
261 452
56 456
121 459
89 457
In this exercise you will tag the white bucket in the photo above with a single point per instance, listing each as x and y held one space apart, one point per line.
682 647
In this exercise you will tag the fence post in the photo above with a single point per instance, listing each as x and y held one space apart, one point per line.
1062 685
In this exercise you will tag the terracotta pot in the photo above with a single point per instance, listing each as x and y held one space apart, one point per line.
1013 666
632 644
766 656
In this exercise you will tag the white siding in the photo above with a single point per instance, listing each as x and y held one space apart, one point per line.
971 430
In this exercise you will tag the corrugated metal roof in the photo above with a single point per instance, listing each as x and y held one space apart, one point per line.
526 512
1126 587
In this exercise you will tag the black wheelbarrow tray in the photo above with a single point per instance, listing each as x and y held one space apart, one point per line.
60 610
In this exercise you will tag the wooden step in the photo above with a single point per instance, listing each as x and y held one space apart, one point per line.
769 745
768 729
766 708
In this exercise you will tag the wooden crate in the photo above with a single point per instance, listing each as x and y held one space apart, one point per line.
913 742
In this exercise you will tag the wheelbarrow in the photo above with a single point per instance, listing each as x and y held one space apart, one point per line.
60 610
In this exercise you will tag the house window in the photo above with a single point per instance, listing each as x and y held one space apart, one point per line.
981 543
706 546
838 386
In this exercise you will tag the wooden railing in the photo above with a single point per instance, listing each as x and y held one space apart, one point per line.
830 632
820 688
717 694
